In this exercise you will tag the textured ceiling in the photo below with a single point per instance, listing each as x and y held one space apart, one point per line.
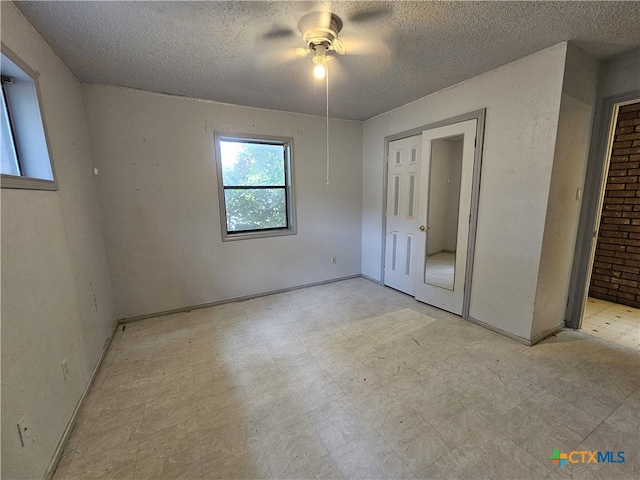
235 51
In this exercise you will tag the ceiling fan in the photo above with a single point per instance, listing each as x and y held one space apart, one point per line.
320 32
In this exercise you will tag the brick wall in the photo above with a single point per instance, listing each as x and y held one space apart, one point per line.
616 269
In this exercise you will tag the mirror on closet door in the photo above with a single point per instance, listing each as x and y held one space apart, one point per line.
443 211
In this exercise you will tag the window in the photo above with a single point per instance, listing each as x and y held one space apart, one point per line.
9 155
25 161
254 182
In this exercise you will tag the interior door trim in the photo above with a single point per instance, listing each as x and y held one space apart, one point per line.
480 116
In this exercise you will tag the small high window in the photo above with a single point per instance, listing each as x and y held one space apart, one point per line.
25 160
255 185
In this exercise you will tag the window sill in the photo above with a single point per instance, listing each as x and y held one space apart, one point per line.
230 237
27 183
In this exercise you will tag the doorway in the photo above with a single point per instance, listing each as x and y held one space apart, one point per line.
431 192
605 285
613 322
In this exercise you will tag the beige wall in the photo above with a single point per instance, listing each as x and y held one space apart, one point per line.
523 106
444 195
56 294
577 107
155 199
620 75
159 198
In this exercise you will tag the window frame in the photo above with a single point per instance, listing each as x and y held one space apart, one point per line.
21 181
287 143
10 128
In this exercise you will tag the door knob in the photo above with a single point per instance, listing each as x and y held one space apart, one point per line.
422 228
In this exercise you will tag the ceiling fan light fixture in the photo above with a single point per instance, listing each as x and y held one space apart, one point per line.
319 71
320 60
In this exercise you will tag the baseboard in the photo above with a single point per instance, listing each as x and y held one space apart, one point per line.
371 279
517 338
234 299
48 474
547 333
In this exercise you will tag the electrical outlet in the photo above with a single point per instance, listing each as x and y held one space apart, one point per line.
24 433
65 369
333 260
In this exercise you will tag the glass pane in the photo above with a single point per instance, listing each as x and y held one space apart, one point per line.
255 209
9 161
252 164
444 199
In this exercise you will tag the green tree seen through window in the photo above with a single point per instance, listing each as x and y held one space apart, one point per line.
254 180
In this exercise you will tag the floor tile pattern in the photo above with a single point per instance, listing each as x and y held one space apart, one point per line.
350 380
612 322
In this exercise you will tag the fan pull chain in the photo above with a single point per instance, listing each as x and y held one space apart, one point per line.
326 80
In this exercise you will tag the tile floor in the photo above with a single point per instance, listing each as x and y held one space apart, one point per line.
350 380
612 322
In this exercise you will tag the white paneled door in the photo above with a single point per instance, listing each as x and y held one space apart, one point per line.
402 210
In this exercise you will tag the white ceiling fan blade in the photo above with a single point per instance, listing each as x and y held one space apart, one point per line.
270 59
364 46
375 14
338 47
278 32
302 52
337 73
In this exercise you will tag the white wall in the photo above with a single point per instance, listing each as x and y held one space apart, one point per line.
523 102
444 196
439 174
453 202
620 75
56 295
577 107
159 198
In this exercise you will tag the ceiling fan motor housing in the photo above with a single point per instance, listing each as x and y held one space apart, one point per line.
320 28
